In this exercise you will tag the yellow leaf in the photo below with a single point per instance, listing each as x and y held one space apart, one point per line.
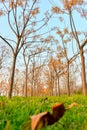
73 104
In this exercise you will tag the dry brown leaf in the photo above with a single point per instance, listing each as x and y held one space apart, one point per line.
35 11
55 9
58 111
45 118
40 120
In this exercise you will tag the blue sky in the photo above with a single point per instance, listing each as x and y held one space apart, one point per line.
81 23
47 5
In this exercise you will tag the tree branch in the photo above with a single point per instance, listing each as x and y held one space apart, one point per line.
7 43
28 18
15 18
73 28
84 43
10 24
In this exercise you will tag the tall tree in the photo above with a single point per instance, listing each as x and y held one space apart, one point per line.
69 5
65 40
57 68
26 58
21 17
27 55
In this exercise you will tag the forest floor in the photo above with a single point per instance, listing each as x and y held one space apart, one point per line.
15 113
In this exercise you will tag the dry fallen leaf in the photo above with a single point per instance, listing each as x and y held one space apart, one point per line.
58 111
38 121
45 118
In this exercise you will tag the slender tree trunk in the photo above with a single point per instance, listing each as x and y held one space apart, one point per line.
33 86
51 85
84 87
73 28
31 91
68 87
26 77
58 86
12 77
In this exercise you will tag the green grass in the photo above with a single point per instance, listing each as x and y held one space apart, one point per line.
16 112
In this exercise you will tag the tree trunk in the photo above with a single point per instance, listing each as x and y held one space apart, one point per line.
31 91
84 87
73 28
68 87
58 86
12 77
51 85
26 77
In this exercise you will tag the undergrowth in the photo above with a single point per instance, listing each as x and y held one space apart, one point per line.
15 112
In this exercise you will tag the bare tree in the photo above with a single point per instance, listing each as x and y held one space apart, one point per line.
65 40
22 22
56 65
26 58
69 6
27 55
